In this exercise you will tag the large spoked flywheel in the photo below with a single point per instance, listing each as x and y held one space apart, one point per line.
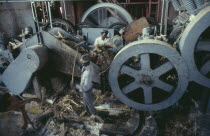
195 47
148 75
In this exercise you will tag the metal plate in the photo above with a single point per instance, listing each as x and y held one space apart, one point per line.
18 74
62 57
15 17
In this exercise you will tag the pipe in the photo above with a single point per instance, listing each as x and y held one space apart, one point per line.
162 15
43 12
64 6
34 14
166 17
50 15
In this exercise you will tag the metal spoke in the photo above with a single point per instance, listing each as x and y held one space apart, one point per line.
205 68
129 71
163 69
131 87
145 61
147 94
203 46
164 86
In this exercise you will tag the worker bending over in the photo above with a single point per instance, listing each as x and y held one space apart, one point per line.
103 40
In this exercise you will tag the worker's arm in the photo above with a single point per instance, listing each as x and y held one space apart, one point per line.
109 43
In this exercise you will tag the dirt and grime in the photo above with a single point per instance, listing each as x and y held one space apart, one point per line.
67 116
62 112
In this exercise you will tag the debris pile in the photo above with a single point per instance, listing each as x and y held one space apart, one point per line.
69 104
67 116
102 57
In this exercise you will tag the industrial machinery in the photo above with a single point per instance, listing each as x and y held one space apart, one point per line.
148 74
181 61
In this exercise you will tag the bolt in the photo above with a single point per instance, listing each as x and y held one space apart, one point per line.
147 80
29 56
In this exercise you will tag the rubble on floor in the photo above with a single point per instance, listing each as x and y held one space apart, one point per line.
11 123
67 117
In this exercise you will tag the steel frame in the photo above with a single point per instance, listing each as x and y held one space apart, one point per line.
148 4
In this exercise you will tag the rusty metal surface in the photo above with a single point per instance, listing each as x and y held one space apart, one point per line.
15 17
133 30
62 57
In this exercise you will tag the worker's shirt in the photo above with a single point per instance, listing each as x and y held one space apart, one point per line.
101 42
86 78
